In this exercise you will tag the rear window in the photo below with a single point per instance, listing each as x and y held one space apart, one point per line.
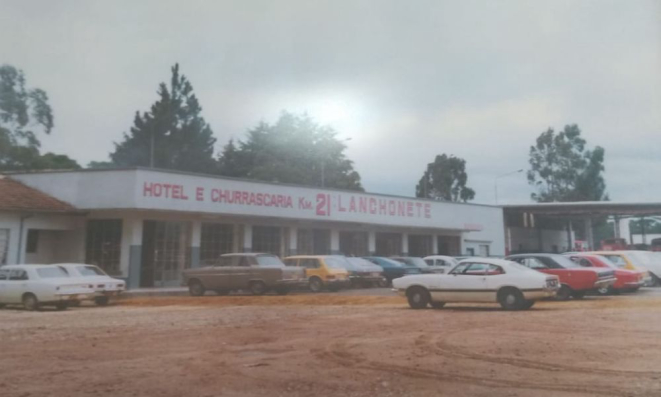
51 272
90 271
269 261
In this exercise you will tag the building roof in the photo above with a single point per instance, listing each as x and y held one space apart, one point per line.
588 208
15 196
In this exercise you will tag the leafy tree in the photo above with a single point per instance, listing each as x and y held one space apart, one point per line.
180 136
563 170
293 150
445 179
652 226
23 114
101 164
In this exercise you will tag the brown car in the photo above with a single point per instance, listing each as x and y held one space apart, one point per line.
258 273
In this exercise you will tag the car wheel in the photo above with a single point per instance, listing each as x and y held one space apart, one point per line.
564 293
604 290
30 302
578 294
257 288
418 297
195 288
527 304
61 306
384 282
511 299
102 300
316 285
437 305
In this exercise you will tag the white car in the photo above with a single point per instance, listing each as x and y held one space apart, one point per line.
104 286
442 262
34 286
514 286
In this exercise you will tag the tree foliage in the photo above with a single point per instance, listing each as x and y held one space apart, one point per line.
23 114
293 150
182 140
445 179
561 169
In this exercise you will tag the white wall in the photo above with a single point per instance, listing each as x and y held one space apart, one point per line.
529 239
638 238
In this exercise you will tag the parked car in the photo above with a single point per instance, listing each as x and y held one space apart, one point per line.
442 262
651 261
104 286
575 280
625 260
655 245
255 272
364 273
417 262
321 271
613 244
35 286
392 269
514 286
625 280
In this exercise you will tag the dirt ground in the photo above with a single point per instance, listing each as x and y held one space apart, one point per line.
330 345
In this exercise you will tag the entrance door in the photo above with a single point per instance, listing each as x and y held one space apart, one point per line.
165 253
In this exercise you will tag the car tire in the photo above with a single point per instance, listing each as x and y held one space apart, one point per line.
30 302
316 285
102 300
257 288
418 297
60 306
511 299
578 294
564 293
196 288
437 305
527 304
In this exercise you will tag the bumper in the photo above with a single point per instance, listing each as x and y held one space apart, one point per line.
73 297
604 283
109 293
540 293
292 283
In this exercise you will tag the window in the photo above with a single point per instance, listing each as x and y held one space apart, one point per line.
269 261
290 262
216 239
266 239
224 261
459 268
4 245
19 275
32 244
470 251
484 250
4 274
533 263
476 269
495 270
89 271
51 272
104 244
309 263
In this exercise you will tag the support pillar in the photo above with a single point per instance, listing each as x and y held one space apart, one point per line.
132 241
405 244
335 242
434 244
371 242
293 241
247 238
196 243
588 233
570 243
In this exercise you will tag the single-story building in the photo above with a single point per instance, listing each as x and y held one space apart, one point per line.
147 225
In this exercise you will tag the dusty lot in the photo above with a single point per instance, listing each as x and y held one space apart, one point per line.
333 346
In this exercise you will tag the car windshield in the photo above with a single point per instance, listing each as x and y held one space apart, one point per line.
391 263
566 262
337 262
608 262
360 262
417 262
51 272
90 271
269 261
616 259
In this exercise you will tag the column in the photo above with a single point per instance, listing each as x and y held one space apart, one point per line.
195 243
247 238
405 244
371 242
625 231
588 233
293 240
131 263
570 243
434 244
335 242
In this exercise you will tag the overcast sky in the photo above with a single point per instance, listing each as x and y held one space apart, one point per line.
406 80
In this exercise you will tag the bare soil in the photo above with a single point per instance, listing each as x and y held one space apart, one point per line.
330 345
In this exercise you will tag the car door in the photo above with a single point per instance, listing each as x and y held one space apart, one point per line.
466 283
312 268
17 284
4 281
241 271
218 277
495 278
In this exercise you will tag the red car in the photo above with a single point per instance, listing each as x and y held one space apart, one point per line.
575 280
626 280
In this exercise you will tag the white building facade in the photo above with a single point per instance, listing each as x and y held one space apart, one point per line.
148 225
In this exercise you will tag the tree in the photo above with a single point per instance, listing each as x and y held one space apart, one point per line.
563 170
445 179
173 128
293 150
23 114
651 226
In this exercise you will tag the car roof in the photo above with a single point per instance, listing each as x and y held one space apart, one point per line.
491 261
439 257
245 254
310 256
545 255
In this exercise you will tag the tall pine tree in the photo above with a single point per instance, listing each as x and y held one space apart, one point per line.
181 138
